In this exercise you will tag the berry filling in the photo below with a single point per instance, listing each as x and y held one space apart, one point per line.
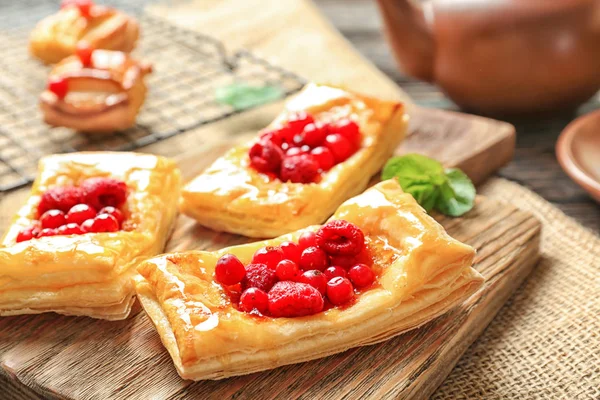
302 149
71 210
84 52
58 86
294 280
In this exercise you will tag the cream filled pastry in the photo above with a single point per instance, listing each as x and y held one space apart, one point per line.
379 267
95 91
321 150
90 219
57 36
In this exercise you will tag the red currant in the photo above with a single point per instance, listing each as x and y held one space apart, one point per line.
270 255
297 121
31 232
334 271
52 219
361 275
339 290
79 213
84 51
115 212
291 251
229 270
294 151
315 279
340 147
273 137
314 134
314 258
58 86
254 299
307 239
287 270
349 129
324 157
70 229
48 232
101 223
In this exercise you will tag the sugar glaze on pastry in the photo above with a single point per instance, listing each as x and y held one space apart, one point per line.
425 273
232 196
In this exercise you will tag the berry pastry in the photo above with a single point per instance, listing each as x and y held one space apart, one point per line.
82 21
90 219
321 150
379 267
95 91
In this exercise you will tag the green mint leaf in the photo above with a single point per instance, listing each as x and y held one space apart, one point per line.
449 191
242 96
457 194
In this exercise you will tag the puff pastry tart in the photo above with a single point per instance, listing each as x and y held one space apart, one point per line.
57 36
95 91
379 267
90 219
321 150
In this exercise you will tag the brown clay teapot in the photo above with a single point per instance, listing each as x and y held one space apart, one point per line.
500 56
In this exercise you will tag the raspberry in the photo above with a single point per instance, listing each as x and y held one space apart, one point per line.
346 262
315 279
349 129
115 212
324 157
265 157
100 223
259 276
254 299
340 147
314 134
339 290
299 169
79 213
361 275
334 271
287 270
314 258
60 198
70 229
340 237
291 251
297 122
84 52
307 239
58 86
294 299
270 255
100 192
48 232
52 219
229 270
31 232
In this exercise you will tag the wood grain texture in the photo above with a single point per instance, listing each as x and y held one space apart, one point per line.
81 358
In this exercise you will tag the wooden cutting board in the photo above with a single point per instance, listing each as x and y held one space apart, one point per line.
82 358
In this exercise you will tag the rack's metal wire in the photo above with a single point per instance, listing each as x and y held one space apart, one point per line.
188 68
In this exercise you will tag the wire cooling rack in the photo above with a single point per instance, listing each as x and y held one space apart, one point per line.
188 68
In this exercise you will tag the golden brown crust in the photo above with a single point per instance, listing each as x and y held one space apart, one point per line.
89 274
102 98
56 36
423 273
231 196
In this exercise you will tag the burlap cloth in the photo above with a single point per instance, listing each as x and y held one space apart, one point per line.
545 342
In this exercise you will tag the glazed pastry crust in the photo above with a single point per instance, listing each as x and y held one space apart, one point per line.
89 274
103 98
422 271
56 36
231 196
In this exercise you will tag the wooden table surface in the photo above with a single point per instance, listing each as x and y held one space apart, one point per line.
534 165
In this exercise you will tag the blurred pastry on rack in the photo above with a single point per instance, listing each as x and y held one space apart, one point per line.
95 91
57 36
